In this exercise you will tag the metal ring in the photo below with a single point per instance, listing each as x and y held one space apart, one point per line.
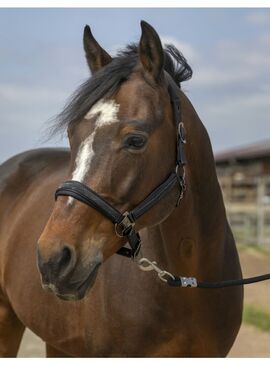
126 223
116 231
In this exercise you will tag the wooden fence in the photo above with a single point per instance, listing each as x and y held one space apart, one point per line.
247 201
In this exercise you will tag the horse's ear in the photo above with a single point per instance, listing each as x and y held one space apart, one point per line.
151 51
96 56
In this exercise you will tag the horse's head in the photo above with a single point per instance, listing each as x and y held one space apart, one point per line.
123 144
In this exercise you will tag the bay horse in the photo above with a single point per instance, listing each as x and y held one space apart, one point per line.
122 135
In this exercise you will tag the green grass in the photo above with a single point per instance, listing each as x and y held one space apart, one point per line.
256 248
256 317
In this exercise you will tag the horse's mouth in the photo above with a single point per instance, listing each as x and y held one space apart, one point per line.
76 293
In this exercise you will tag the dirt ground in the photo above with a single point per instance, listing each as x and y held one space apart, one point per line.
251 342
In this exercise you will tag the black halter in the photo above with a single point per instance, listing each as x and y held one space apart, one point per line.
125 222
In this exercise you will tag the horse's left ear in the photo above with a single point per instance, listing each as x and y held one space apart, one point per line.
96 56
151 51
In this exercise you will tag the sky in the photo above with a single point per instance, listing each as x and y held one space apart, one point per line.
42 63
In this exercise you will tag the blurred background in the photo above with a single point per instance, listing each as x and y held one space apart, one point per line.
42 63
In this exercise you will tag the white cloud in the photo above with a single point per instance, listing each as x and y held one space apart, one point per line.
259 18
212 76
185 48
29 94
25 111
231 90
236 119
255 101
233 62
264 39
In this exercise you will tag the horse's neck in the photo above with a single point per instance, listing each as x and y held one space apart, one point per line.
196 231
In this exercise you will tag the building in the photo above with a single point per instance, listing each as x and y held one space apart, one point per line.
244 176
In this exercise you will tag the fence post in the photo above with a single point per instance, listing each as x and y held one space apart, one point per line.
260 210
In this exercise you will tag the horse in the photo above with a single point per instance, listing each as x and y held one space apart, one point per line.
60 275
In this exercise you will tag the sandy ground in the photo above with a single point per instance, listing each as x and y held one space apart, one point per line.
31 346
251 342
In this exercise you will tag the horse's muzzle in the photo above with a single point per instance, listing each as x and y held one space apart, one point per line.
65 278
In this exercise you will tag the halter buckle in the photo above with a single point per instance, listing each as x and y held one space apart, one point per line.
181 182
123 228
182 132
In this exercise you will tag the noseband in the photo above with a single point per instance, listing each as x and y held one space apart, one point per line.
125 222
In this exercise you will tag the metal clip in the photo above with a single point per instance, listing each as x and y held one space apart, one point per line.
147 265
185 282
122 226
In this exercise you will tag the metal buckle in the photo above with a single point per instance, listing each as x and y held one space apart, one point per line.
181 182
125 224
183 176
182 132
185 282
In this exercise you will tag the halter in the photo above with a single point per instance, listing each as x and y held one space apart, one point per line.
125 222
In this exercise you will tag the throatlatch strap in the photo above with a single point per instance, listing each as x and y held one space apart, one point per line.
154 197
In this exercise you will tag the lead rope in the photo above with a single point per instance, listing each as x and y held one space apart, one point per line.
182 281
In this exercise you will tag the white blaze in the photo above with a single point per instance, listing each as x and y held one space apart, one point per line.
107 114
83 158
107 111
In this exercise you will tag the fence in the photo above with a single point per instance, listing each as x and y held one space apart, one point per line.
247 201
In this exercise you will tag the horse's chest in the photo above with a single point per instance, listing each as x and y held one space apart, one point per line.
151 328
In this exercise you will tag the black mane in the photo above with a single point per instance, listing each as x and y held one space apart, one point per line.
108 79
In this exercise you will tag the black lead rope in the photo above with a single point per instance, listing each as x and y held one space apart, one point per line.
192 282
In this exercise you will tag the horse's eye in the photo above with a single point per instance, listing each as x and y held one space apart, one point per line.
135 142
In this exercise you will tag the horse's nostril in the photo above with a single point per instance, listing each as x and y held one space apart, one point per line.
65 257
64 262
58 265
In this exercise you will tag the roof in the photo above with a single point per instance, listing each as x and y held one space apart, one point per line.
249 152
